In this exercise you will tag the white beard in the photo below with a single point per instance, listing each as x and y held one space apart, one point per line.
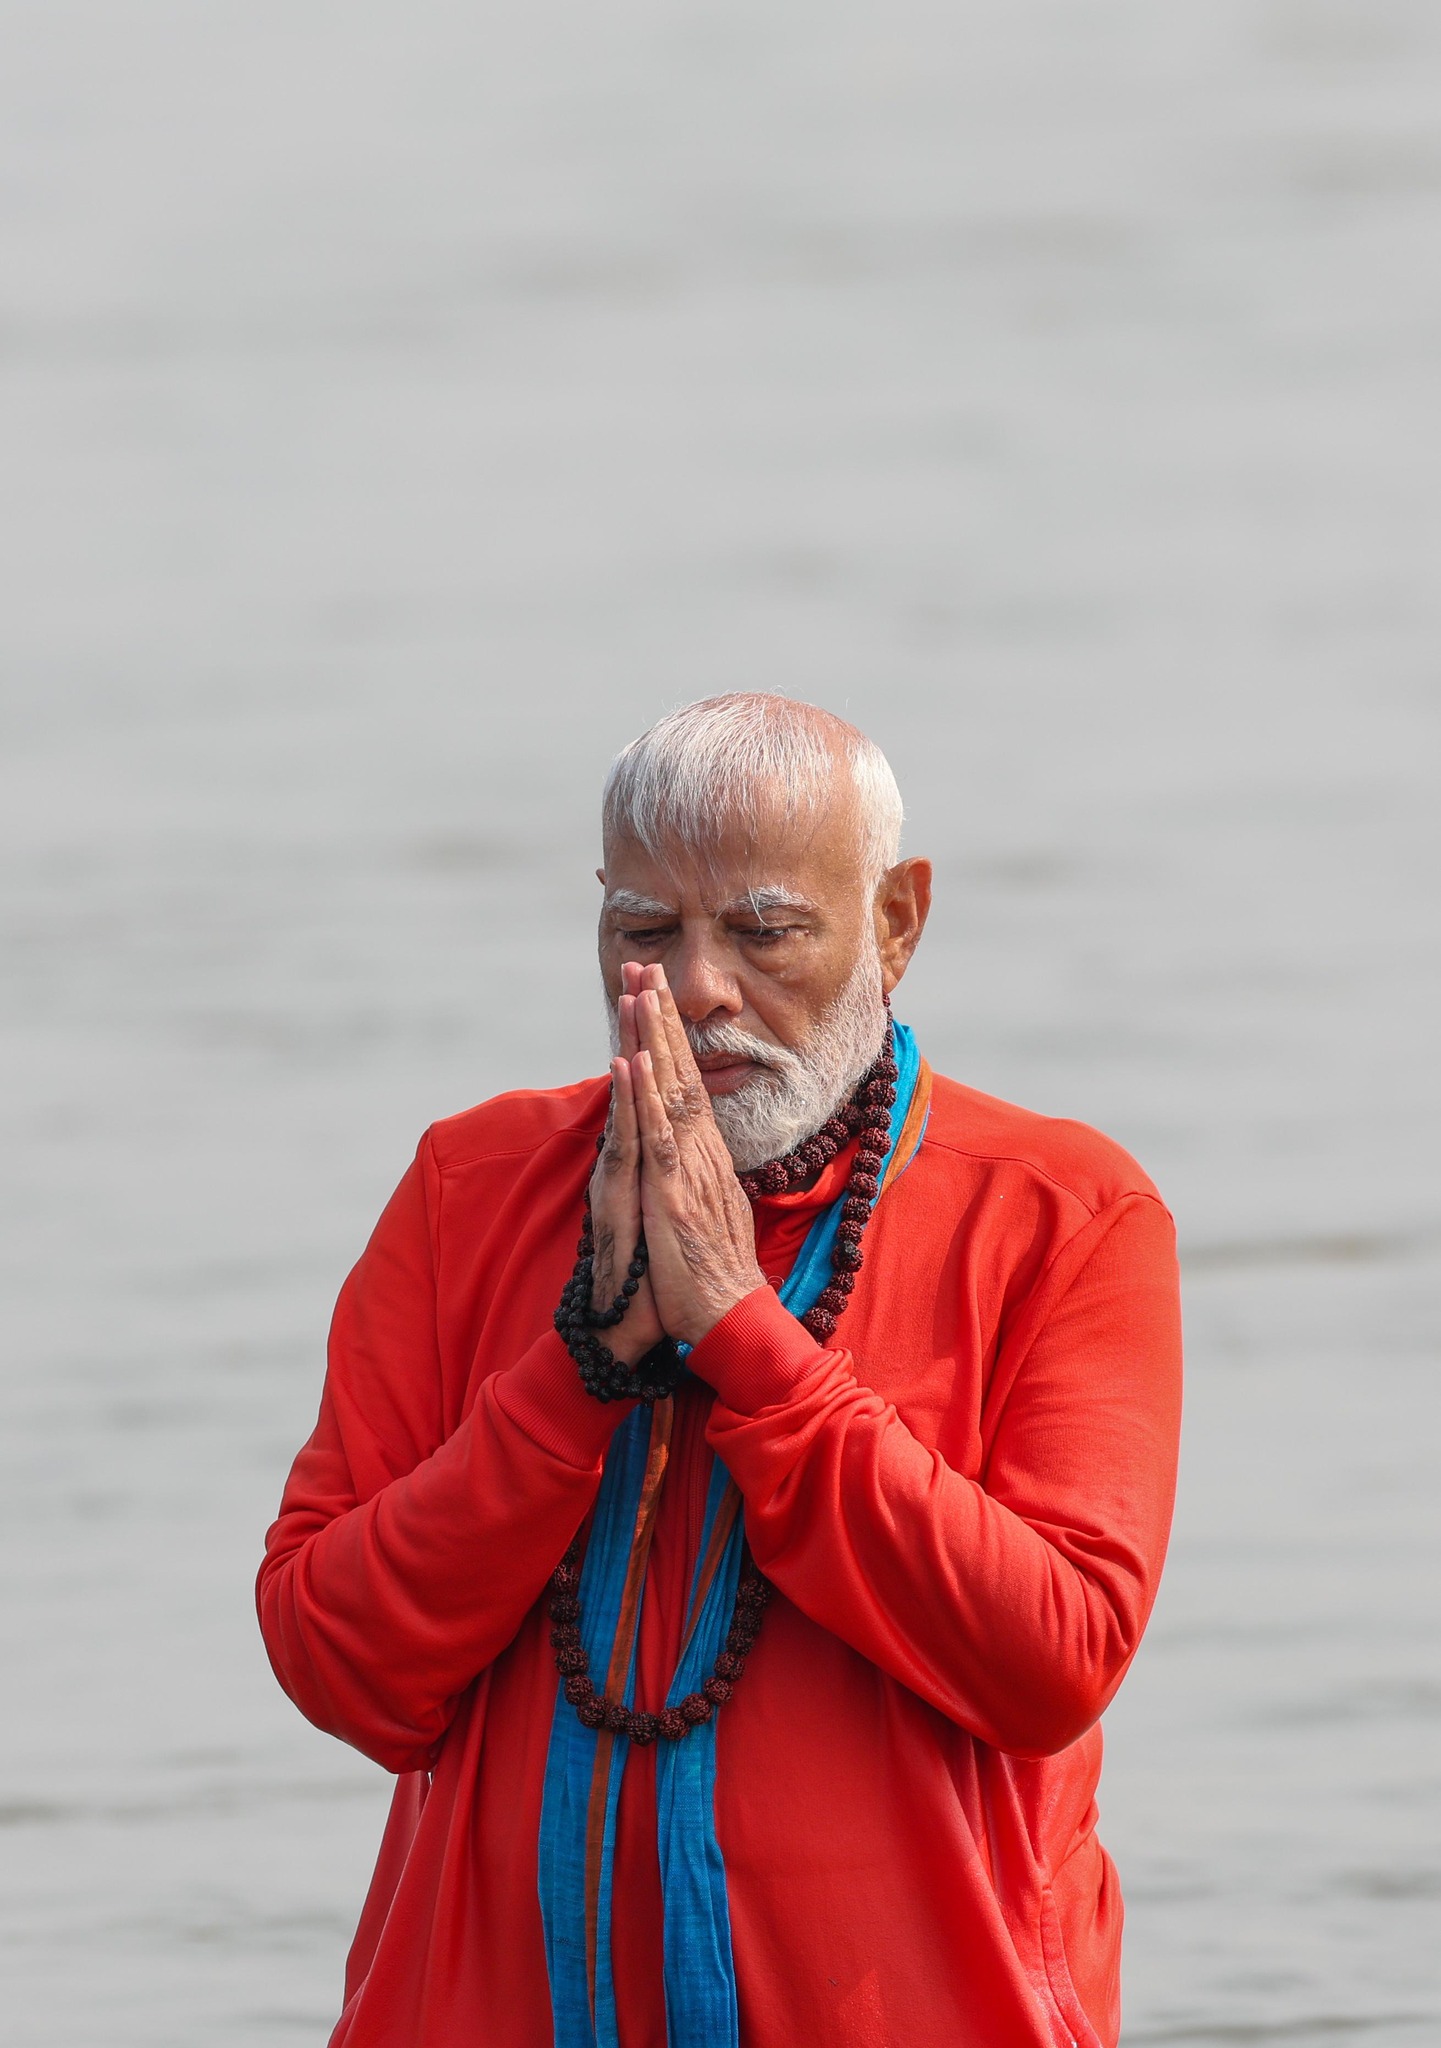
799 1087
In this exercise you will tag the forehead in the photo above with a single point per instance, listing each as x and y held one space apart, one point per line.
814 854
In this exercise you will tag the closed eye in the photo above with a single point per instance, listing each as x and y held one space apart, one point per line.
651 937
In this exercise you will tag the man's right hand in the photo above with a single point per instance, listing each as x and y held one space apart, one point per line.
615 1196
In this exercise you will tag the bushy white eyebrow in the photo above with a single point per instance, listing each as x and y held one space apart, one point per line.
760 902
627 903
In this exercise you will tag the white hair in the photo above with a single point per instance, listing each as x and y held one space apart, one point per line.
704 769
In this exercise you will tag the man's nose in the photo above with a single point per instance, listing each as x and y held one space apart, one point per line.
701 982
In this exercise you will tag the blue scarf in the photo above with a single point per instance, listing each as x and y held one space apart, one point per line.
585 1766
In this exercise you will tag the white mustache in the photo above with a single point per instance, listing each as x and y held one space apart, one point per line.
730 1040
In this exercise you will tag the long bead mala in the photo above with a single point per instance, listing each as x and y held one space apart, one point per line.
593 1710
867 1115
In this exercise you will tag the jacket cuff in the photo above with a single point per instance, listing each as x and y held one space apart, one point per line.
757 1354
542 1394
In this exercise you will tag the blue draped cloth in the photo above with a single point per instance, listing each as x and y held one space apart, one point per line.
700 1983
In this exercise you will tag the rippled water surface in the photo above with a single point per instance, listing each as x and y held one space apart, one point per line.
399 408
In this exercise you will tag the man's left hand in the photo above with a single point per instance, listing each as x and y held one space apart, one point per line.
698 1226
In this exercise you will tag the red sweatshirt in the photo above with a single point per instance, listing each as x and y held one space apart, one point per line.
963 1510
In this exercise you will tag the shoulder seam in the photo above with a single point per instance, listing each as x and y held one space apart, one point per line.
509 1152
1033 1166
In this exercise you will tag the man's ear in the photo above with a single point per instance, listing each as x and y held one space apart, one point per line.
903 903
600 876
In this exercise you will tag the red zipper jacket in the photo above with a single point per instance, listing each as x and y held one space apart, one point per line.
963 1506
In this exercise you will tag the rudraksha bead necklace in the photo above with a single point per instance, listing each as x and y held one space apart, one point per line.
867 1115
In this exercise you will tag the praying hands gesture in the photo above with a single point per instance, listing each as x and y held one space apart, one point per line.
666 1169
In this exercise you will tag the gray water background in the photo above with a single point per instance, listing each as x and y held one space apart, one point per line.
399 408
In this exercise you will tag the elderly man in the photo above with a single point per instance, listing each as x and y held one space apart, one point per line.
736 1600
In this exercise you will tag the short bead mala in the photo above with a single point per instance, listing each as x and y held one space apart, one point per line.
602 1374
867 1115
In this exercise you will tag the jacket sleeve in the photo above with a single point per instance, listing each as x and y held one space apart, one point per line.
405 1558
1012 1602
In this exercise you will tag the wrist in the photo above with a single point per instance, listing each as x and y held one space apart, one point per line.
715 1305
628 1346
758 1356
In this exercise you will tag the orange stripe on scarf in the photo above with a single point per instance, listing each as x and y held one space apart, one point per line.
662 1416
911 1129
720 1535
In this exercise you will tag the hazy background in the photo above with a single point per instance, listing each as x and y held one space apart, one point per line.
402 405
